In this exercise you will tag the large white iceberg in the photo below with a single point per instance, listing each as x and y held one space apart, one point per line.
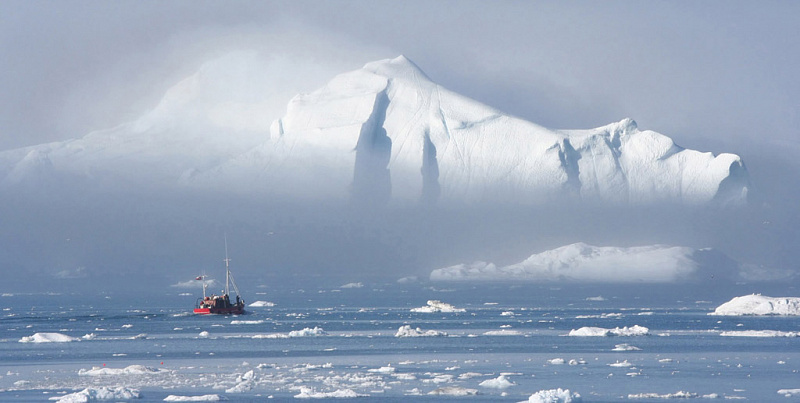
757 304
384 132
554 396
582 262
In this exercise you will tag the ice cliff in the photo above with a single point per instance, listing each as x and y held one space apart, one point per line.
384 133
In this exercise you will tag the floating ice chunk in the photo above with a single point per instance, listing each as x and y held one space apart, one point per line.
503 332
622 364
625 347
453 391
789 392
352 285
408 331
246 322
507 313
677 395
759 333
437 306
103 393
383 370
204 334
48 338
597 298
556 361
316 331
309 393
757 304
554 396
129 370
261 304
89 336
201 398
635 330
497 383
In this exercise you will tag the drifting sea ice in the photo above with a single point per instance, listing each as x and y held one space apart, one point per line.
554 396
201 398
261 304
759 333
48 338
408 331
309 393
129 370
589 331
103 393
453 391
435 306
497 383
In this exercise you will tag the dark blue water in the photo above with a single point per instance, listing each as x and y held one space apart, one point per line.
349 344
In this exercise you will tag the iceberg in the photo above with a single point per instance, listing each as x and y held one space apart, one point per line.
408 331
48 338
757 304
435 306
102 393
497 383
554 396
589 331
586 263
200 398
383 133
129 370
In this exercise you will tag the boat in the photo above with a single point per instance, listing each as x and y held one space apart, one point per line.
220 304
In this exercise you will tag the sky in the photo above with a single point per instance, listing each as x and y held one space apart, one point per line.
715 76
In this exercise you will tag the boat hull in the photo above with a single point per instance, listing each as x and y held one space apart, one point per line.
233 310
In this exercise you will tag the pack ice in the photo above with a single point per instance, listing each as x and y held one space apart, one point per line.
385 133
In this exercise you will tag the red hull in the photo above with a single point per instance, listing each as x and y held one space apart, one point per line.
234 310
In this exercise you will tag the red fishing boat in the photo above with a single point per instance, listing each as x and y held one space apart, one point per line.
220 304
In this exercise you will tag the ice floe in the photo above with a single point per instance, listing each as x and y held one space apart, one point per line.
309 393
497 383
625 347
759 333
453 391
757 304
102 393
129 370
634 330
437 306
504 332
201 398
48 338
408 331
306 332
261 304
677 395
554 396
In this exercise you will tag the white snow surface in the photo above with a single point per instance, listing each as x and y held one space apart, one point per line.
102 393
581 262
48 338
589 331
385 131
554 396
757 304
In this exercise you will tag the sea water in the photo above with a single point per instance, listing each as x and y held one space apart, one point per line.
509 343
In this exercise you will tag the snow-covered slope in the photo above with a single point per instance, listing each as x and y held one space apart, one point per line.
383 133
585 263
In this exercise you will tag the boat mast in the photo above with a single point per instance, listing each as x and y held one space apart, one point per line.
227 268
